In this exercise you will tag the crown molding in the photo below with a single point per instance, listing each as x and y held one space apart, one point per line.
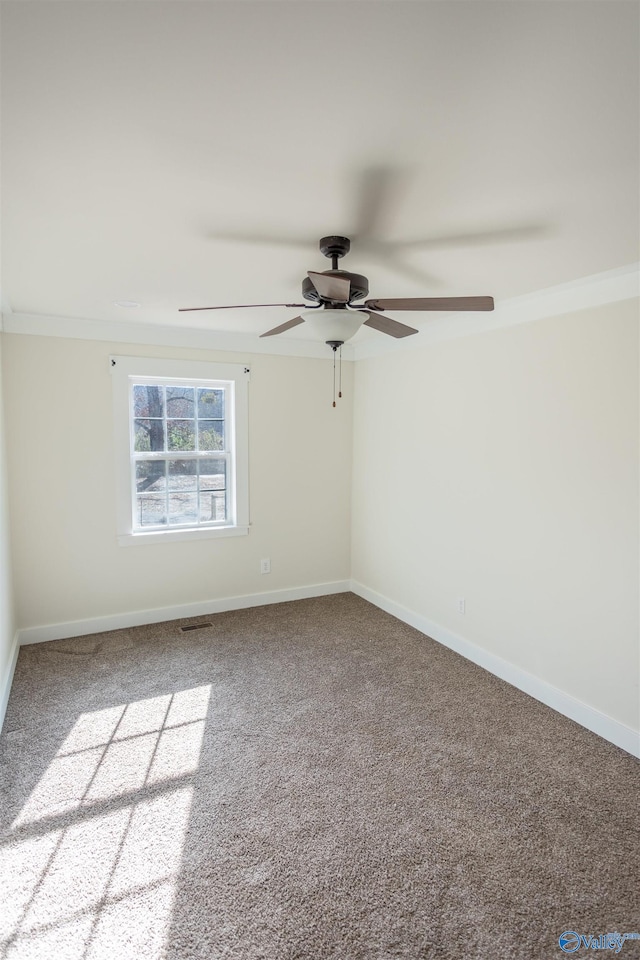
75 328
622 283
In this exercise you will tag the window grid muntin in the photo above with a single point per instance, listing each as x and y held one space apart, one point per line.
226 454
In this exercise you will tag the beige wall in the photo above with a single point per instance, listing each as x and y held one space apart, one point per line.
7 624
67 563
503 468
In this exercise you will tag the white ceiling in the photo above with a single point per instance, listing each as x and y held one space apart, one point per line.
141 139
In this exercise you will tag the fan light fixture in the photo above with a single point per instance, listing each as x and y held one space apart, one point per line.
334 326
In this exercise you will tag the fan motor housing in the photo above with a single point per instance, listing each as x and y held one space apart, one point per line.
359 285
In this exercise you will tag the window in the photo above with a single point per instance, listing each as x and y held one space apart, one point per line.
181 449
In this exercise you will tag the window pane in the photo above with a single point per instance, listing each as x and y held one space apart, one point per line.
213 475
213 490
148 401
150 510
183 475
180 401
211 404
146 432
211 434
156 435
181 435
183 508
213 506
150 476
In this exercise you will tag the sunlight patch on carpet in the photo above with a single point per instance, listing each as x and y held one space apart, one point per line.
91 868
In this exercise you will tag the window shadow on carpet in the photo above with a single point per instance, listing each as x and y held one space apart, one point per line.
90 857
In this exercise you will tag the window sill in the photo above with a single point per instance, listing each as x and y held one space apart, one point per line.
161 536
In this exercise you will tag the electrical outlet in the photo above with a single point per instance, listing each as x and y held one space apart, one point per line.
460 605
265 565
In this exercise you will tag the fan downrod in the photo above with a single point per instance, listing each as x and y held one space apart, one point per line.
334 248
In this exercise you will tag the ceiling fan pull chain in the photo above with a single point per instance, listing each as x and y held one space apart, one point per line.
334 378
340 376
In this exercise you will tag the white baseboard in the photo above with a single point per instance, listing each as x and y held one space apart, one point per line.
5 690
606 727
135 618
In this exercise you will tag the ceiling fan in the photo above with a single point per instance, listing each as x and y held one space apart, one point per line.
334 306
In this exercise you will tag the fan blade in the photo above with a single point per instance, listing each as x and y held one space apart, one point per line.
475 238
433 303
377 192
387 325
283 326
242 306
331 288
265 240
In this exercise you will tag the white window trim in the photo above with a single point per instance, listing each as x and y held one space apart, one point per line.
122 370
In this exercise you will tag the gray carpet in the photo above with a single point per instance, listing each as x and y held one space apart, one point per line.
309 780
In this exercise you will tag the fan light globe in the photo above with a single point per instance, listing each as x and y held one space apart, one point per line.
335 325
